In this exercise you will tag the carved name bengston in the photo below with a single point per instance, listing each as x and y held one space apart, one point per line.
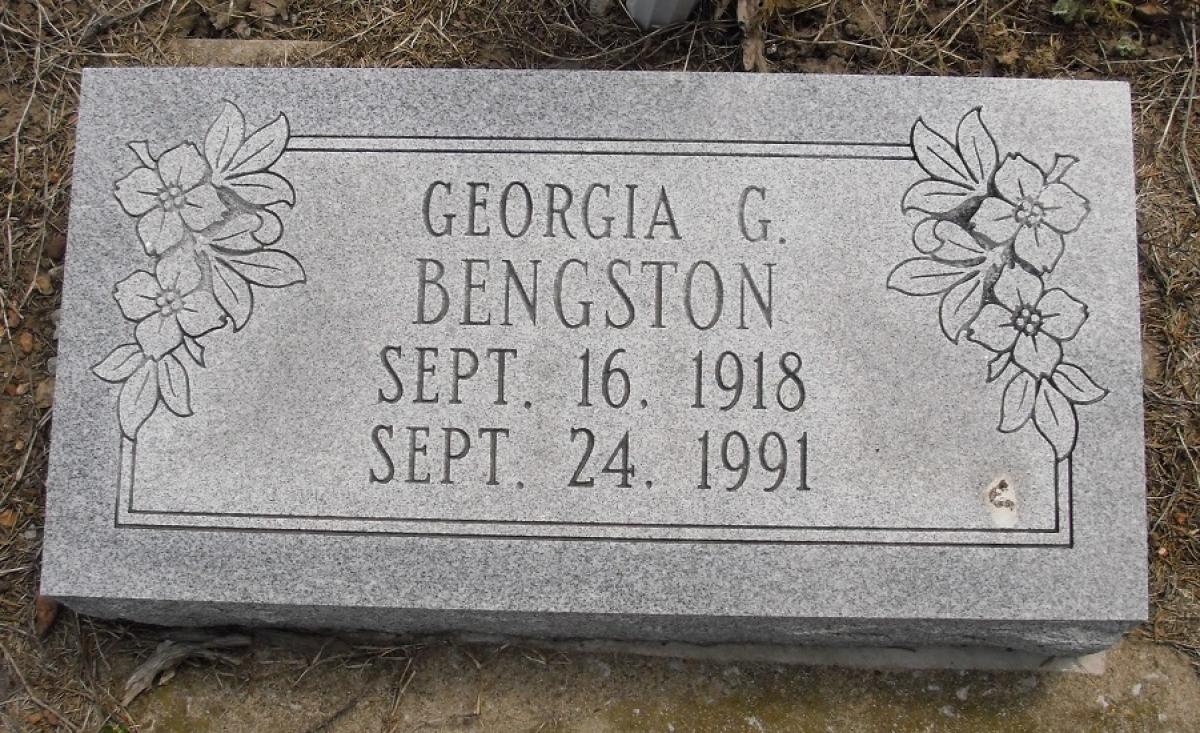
990 232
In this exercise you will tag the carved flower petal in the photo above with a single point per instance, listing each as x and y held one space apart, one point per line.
1062 314
138 191
1019 179
202 207
1064 209
995 220
200 314
1016 287
158 335
136 294
160 230
1037 354
993 328
1039 247
182 166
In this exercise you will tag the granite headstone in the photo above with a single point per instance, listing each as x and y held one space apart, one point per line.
709 358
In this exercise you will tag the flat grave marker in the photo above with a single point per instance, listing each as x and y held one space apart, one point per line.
779 358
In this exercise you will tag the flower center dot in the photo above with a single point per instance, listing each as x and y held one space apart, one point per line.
171 198
1029 212
169 302
1027 320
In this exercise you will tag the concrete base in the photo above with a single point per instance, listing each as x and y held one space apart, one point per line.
861 639
651 13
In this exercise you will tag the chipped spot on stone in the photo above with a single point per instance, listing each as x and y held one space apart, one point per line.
1001 501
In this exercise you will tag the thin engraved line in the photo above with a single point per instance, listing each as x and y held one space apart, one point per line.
602 139
628 525
651 154
570 538
672 153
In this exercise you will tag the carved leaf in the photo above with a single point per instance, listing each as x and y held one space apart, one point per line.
262 188
1054 416
956 244
173 385
270 228
261 149
272 268
120 363
925 276
937 197
194 349
960 305
1016 406
938 157
232 293
998 364
1076 385
978 149
923 236
223 140
138 398
236 233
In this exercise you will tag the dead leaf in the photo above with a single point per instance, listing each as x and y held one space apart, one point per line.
170 654
56 246
8 518
269 9
750 17
44 613
25 341
1009 57
44 284
866 22
1151 11
226 13
43 394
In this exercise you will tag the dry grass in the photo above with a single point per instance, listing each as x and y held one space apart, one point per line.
67 678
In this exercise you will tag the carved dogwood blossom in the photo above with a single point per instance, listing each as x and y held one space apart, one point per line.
991 231
207 222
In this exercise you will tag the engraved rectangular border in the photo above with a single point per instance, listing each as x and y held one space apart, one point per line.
127 517
1060 535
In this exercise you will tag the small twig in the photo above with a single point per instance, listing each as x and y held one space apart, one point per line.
20 472
16 138
12 663
101 23
1187 116
1162 140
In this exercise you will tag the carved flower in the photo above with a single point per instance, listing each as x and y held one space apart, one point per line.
170 198
1034 209
1028 321
169 303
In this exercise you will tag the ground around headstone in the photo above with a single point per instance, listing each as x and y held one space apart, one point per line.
444 687
67 674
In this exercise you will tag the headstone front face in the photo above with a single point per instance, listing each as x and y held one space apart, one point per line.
776 359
